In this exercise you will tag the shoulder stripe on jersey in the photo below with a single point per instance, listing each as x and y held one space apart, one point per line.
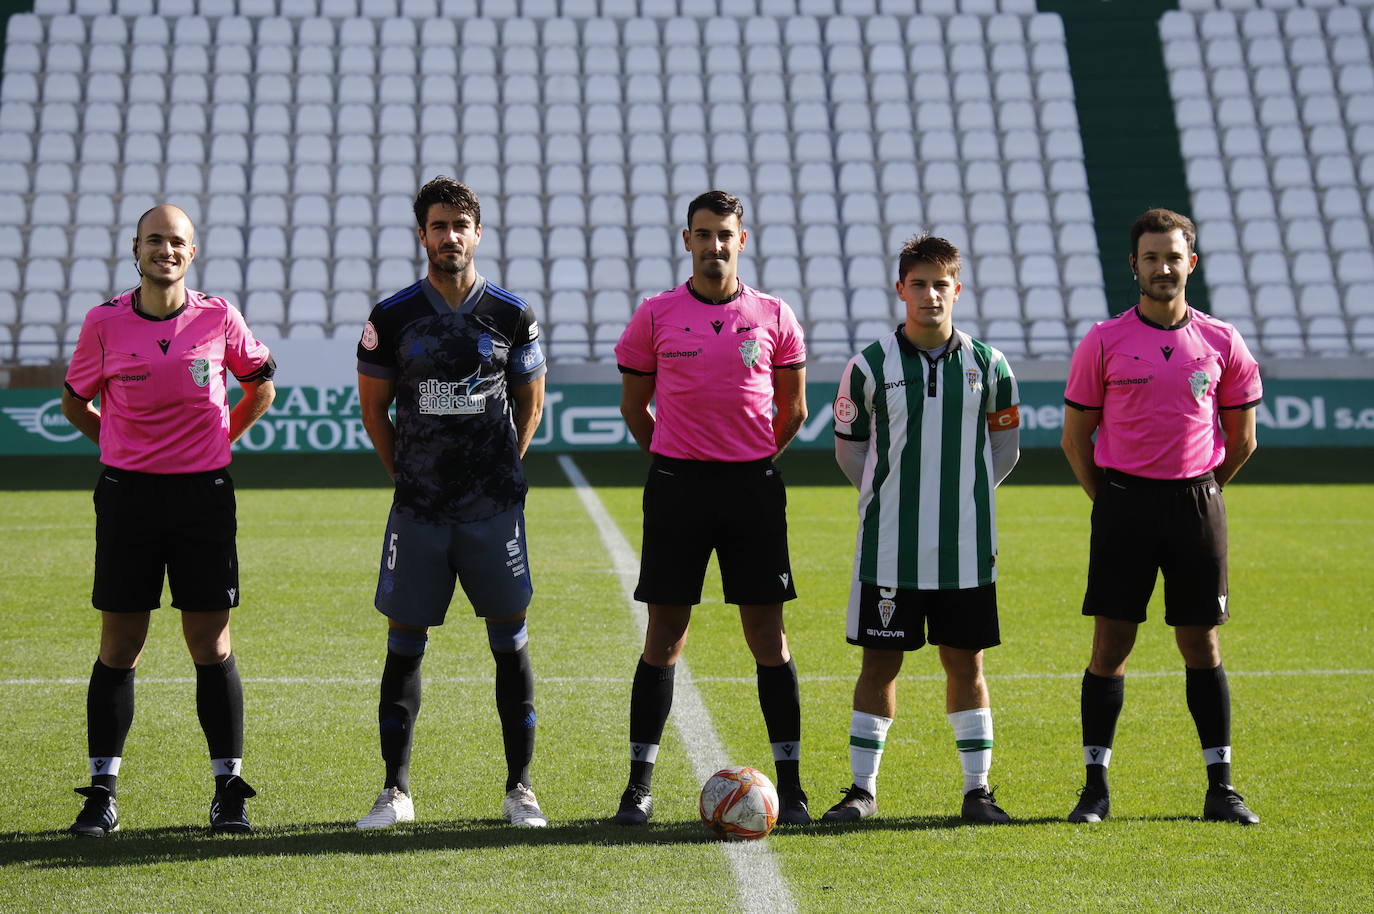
509 298
407 292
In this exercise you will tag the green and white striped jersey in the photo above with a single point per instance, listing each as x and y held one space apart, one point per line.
927 516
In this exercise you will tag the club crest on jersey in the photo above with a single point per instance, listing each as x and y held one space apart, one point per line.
974 377
886 606
1199 381
485 347
749 351
369 340
200 371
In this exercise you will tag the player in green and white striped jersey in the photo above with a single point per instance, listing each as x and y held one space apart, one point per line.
926 426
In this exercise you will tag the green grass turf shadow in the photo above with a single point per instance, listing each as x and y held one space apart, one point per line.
58 850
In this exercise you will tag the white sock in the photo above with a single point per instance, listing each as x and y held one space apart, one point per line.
107 764
867 736
973 738
221 766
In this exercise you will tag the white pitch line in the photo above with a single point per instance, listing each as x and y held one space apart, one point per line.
758 880
602 680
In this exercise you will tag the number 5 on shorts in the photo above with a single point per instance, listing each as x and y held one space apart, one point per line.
391 552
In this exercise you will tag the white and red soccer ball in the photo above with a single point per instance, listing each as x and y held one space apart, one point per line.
739 804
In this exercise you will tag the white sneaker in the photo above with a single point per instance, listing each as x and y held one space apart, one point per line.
392 806
522 809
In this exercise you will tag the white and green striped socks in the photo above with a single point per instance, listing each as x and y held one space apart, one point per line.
973 738
867 735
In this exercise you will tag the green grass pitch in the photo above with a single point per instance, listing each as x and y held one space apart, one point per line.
311 646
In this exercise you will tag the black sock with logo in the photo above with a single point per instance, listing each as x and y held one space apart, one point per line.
219 705
1209 701
515 707
109 715
1102 699
397 709
780 701
651 698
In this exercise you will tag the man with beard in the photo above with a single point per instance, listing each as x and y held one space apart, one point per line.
1170 392
460 358
156 356
716 358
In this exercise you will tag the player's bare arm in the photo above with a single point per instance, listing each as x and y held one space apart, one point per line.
1238 428
1077 443
529 409
374 397
257 397
636 392
82 414
789 399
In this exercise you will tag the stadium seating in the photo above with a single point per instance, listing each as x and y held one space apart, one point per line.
296 131
1275 106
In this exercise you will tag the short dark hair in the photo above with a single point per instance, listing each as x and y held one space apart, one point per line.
931 249
1163 221
718 202
446 190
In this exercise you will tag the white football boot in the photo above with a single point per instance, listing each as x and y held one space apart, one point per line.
521 809
393 806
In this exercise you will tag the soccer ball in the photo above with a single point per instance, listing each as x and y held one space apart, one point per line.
739 804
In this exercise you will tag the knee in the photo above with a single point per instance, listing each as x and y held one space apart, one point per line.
964 667
507 636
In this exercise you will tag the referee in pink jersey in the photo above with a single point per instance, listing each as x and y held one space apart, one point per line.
156 356
1170 392
716 358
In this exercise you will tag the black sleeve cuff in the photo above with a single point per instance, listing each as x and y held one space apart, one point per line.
625 369
75 394
851 437
264 372
1079 406
792 367
1251 405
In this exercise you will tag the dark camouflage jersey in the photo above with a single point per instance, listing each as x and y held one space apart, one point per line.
456 452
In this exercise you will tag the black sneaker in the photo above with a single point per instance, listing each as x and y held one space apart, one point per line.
980 808
636 806
1223 804
792 807
227 812
99 816
1094 805
857 804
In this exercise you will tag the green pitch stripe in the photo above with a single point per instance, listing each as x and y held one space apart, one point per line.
966 745
862 743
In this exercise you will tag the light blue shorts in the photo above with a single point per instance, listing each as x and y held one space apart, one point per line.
421 563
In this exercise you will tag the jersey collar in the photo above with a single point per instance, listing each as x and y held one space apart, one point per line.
739 290
956 342
138 296
1187 316
436 301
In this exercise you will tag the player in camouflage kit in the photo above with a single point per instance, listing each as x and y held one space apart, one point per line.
461 360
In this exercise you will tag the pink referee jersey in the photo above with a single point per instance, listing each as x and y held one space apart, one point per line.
163 401
713 366
1159 391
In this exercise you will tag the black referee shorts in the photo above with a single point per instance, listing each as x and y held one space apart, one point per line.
1142 526
692 507
148 523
